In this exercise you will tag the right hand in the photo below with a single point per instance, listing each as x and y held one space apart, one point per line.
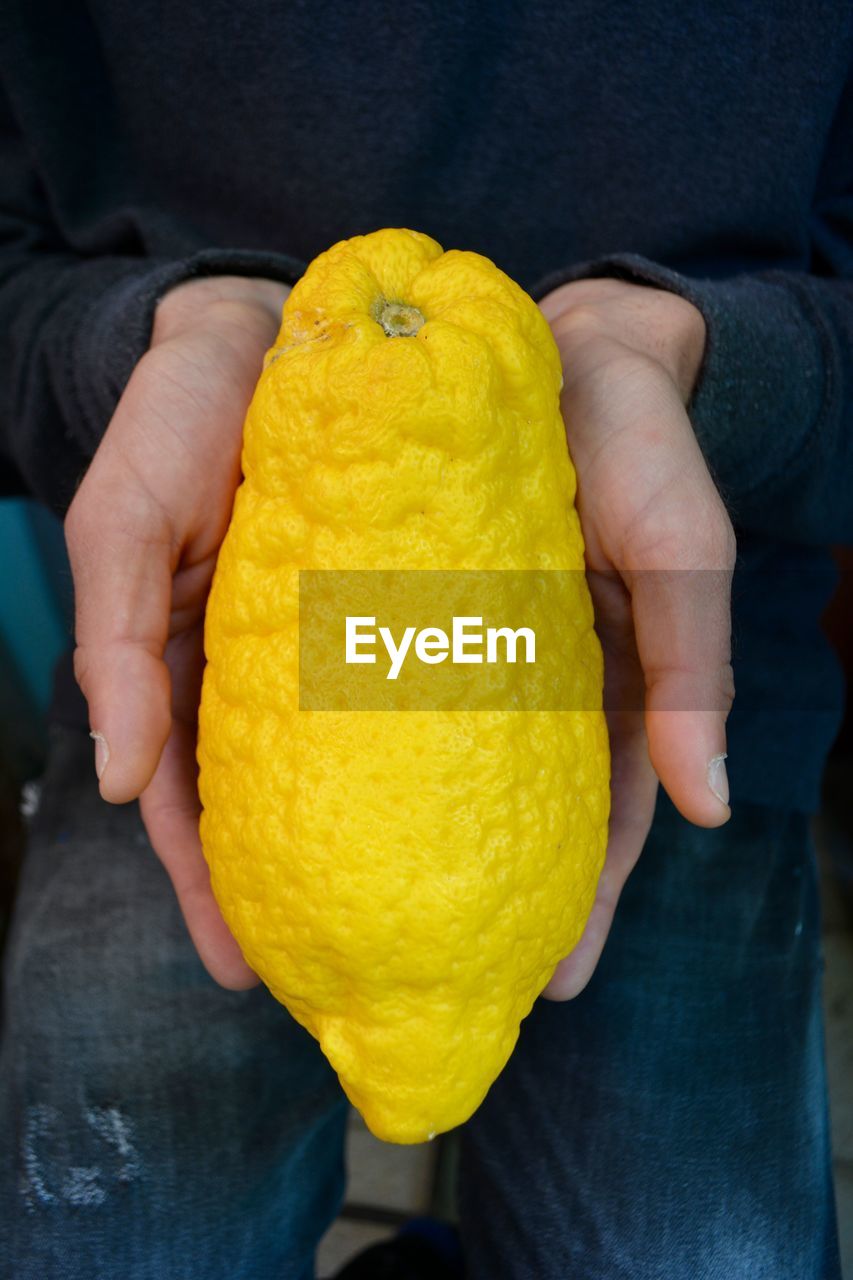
143 534
660 551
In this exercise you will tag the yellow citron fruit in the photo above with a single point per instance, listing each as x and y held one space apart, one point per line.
403 881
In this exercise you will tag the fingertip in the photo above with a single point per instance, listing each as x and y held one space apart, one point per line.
237 978
711 814
102 752
222 957
564 984
216 945
696 803
717 778
130 716
687 751
709 807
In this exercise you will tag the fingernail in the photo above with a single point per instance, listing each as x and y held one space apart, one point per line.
718 779
102 753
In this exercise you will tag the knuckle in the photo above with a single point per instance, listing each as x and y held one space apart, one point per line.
725 688
580 315
77 525
720 541
658 537
163 381
148 373
579 321
70 524
82 663
687 534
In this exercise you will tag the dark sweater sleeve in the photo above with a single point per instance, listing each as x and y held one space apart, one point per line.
72 328
773 404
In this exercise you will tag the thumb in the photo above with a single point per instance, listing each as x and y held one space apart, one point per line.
120 550
682 623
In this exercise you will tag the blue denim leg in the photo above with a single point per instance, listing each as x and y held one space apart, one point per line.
154 1126
671 1122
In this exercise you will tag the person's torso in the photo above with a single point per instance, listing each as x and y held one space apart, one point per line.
540 134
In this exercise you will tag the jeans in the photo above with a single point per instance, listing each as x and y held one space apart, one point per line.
668 1124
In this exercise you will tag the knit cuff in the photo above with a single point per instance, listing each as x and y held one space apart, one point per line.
116 332
761 392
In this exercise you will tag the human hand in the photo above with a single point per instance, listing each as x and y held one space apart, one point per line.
143 534
660 552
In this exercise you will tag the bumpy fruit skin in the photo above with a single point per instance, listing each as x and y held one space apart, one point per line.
405 883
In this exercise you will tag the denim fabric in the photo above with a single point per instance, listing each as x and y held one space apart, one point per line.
669 1124
161 1127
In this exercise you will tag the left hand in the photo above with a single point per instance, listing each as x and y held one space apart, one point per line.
660 552
143 534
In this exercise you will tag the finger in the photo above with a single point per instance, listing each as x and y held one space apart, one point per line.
170 809
648 506
634 788
633 782
676 552
683 628
120 553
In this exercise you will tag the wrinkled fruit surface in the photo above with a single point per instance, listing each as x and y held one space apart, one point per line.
404 882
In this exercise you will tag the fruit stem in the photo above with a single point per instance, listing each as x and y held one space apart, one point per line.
398 319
